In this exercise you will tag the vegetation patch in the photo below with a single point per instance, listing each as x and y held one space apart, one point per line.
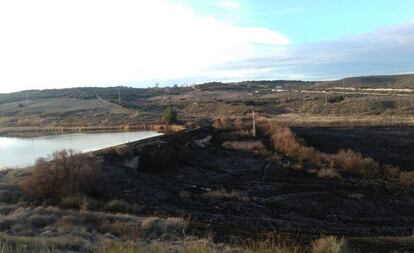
245 145
64 174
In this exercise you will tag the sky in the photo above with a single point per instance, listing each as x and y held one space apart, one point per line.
71 43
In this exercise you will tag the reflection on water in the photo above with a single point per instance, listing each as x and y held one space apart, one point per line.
22 152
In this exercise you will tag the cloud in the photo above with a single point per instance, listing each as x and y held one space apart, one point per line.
385 51
228 4
52 43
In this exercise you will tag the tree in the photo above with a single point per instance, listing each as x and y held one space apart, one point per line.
169 116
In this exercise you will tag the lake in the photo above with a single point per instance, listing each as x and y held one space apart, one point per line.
23 152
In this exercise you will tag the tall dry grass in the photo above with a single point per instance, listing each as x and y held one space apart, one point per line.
285 141
222 194
333 165
245 145
330 244
407 178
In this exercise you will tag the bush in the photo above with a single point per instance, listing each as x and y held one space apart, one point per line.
169 116
66 173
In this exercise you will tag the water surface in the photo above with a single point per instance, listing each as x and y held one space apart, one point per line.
22 152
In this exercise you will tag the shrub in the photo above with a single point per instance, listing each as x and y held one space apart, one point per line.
66 173
169 116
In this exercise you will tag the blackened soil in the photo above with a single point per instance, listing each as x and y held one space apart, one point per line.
272 196
388 145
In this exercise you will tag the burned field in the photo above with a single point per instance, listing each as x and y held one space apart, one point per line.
388 145
220 183
246 191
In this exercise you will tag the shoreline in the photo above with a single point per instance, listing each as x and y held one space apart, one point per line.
31 132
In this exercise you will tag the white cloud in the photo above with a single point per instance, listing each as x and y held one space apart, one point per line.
386 51
56 43
228 4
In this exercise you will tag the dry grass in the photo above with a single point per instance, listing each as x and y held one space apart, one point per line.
222 194
245 145
391 171
309 120
329 244
328 173
407 178
116 205
331 165
285 141
355 163
85 231
25 244
52 221
65 173
199 246
232 122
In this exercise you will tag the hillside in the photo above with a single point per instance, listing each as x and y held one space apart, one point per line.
93 106
383 81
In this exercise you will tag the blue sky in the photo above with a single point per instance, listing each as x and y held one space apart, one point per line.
58 43
306 21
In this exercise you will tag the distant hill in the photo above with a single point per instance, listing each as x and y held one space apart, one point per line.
252 85
385 81
129 94
110 93
97 106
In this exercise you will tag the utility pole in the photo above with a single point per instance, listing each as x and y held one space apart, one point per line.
254 125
